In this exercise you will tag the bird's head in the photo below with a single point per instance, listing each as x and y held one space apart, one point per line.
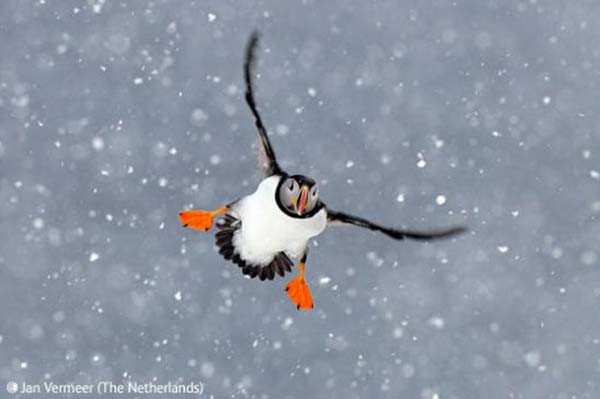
297 195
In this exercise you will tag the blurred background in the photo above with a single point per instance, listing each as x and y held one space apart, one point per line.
116 115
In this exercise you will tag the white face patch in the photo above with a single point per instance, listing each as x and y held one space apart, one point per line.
288 194
313 198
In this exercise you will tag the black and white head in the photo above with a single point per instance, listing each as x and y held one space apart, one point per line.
298 196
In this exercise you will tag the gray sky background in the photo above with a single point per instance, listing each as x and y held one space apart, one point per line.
116 115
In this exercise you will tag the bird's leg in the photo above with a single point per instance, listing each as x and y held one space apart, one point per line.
297 289
200 220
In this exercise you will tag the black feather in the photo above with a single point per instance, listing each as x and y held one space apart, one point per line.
278 266
262 275
271 269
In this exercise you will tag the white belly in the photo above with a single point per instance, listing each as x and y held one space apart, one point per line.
266 230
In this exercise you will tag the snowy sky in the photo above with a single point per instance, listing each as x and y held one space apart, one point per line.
115 115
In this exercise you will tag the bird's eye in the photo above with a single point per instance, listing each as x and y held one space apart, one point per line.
314 192
291 185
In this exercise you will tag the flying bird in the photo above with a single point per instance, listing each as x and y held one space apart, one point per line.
261 231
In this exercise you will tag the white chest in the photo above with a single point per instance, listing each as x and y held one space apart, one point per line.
266 230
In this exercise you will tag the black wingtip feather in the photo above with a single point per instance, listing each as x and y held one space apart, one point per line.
435 234
271 271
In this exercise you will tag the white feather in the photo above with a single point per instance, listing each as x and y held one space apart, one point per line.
267 230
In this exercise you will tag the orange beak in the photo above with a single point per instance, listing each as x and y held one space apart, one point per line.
303 200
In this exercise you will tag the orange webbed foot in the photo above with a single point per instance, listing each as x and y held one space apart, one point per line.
299 293
198 219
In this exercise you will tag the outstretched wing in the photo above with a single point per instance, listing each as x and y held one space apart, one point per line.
335 218
266 156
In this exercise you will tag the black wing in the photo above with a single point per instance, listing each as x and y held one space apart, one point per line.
340 218
266 156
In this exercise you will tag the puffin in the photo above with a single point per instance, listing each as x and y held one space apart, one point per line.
261 231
